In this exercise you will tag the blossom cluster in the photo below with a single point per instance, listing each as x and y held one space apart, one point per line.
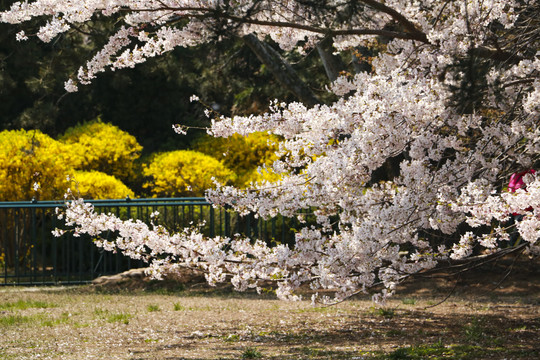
484 207
390 168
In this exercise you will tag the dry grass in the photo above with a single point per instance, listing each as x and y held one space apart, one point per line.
196 323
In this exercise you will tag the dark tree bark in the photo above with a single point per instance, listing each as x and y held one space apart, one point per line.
282 70
333 64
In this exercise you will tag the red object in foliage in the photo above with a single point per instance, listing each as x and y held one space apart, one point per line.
516 182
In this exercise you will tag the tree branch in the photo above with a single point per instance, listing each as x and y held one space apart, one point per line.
408 25
497 55
209 13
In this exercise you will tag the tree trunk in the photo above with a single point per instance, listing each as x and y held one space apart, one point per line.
333 64
282 70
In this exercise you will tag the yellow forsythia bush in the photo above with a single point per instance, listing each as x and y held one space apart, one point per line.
98 185
34 165
243 154
102 147
184 173
28 158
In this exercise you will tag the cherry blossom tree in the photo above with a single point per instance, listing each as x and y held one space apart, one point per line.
408 168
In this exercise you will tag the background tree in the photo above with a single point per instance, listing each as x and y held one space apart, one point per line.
144 101
33 97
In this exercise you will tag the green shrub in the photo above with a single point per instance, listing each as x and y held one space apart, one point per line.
251 353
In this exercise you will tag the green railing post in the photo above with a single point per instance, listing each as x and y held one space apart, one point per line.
54 254
212 222
227 222
43 246
34 244
4 245
16 246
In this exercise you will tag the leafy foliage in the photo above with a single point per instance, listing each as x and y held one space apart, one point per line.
32 77
184 173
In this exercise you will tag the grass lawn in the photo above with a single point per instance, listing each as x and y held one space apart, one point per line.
194 322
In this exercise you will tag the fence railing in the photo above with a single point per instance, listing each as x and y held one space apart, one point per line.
31 255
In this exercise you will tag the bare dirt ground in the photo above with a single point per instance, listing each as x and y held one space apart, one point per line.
133 318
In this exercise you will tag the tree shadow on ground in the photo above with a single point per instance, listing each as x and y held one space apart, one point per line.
479 333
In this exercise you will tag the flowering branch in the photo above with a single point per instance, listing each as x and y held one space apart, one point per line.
405 170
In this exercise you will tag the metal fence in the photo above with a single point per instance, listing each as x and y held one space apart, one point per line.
31 255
